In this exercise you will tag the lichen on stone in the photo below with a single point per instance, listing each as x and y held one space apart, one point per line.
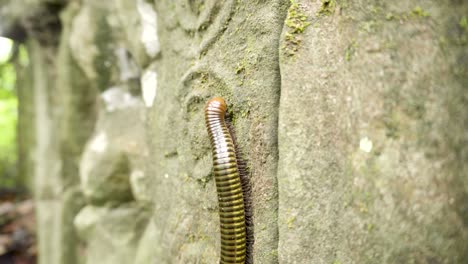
350 50
296 21
463 23
419 12
328 7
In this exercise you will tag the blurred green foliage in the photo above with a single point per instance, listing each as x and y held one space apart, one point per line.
8 118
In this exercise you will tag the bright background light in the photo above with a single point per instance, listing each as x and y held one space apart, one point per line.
5 48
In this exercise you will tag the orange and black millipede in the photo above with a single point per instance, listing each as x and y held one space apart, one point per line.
232 186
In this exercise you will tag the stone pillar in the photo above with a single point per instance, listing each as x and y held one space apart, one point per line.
352 116
372 132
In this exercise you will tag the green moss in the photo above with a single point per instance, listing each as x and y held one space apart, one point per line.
205 180
419 12
328 7
363 208
376 10
296 21
389 16
463 23
415 13
458 36
291 221
369 26
241 70
350 50
348 54
463 35
208 82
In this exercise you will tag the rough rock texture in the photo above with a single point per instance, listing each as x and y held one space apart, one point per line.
372 134
116 150
114 231
352 116
234 56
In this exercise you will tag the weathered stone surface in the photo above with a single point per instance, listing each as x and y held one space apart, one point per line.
372 167
26 126
78 106
147 251
93 43
102 31
57 237
214 48
138 19
116 153
105 175
353 123
47 182
63 127
112 234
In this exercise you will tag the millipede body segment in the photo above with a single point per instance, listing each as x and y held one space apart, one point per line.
228 184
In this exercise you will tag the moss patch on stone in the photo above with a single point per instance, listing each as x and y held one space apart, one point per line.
328 7
419 12
350 50
463 23
462 36
296 21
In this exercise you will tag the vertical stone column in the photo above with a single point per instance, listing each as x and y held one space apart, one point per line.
351 116
64 117
56 117
213 48
372 132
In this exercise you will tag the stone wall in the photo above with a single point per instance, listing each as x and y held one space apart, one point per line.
352 116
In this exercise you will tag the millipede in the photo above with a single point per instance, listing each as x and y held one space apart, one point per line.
232 185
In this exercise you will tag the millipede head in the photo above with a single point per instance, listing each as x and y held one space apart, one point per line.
216 103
